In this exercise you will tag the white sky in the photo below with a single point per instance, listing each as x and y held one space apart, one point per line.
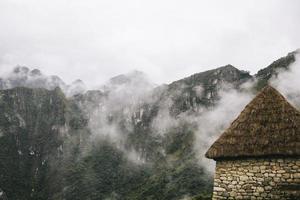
168 39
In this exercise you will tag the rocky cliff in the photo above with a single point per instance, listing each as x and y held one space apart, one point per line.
119 142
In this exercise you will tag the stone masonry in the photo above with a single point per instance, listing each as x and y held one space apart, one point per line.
257 179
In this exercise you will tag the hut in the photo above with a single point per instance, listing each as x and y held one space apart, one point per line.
258 156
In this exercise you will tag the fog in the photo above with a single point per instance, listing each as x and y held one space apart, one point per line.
94 40
168 40
288 82
121 99
125 127
212 123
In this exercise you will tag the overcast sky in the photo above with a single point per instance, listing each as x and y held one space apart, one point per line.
167 39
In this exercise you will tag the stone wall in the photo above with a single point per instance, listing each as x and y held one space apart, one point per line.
257 179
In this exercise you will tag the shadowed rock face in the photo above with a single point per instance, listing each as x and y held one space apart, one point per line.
185 92
31 123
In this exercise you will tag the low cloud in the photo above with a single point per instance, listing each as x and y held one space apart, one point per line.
118 108
213 122
22 76
210 122
288 82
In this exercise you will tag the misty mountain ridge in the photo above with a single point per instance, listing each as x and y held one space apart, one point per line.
22 76
133 76
131 139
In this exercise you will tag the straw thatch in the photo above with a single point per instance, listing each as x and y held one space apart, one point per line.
268 126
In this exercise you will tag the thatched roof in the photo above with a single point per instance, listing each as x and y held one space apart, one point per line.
268 126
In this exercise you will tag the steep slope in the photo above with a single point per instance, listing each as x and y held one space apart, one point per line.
282 64
170 152
31 139
129 140
168 157
38 130
202 88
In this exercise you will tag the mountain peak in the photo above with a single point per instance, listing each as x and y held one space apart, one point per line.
76 87
35 72
228 66
283 63
131 74
22 76
20 69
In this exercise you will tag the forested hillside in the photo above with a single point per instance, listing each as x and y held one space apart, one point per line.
128 139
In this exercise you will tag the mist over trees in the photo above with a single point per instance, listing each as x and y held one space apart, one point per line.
127 139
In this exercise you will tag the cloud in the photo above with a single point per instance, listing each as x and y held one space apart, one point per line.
213 122
24 77
210 122
288 81
113 113
94 40
162 123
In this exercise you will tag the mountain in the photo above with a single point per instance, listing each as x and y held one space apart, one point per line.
264 75
131 139
31 140
131 77
129 86
22 76
202 88
76 87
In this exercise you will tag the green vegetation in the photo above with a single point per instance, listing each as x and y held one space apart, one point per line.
47 152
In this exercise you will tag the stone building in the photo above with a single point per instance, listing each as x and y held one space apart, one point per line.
258 156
